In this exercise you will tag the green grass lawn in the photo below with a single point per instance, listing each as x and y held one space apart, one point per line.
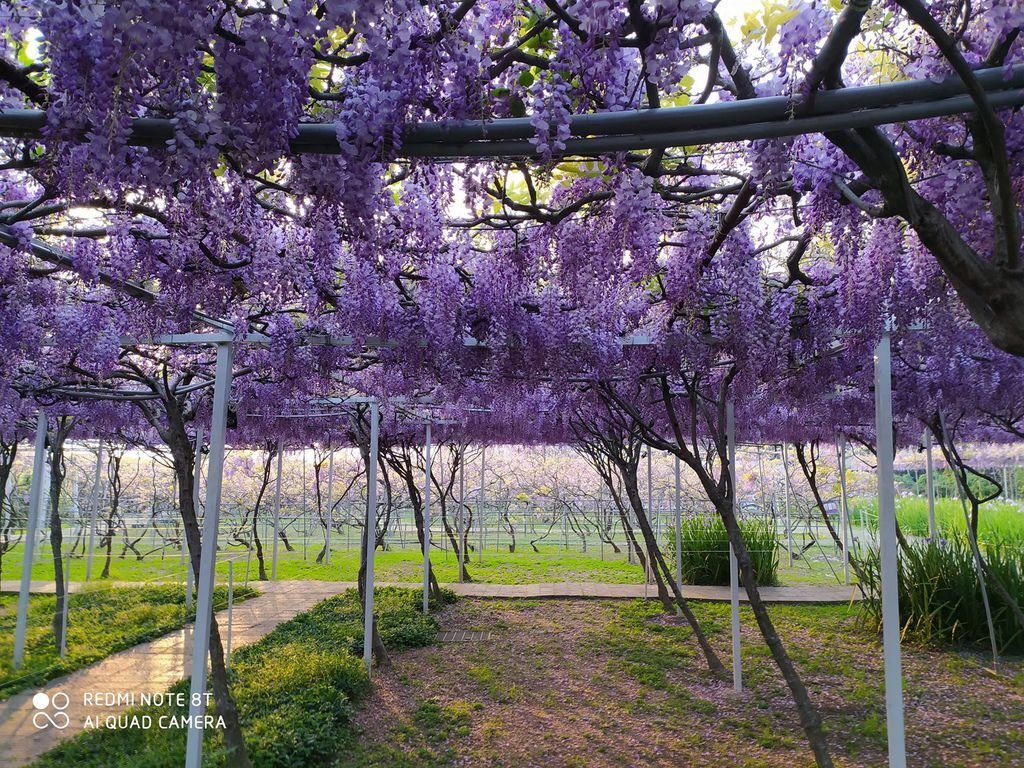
551 564
101 621
997 520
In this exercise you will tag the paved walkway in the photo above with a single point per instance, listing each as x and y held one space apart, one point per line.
805 593
150 668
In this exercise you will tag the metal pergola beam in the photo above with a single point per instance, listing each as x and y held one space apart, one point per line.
600 133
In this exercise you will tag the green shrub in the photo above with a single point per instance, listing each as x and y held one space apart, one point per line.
940 597
705 549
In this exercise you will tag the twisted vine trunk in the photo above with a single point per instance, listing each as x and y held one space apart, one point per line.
400 460
614 452
808 465
8 453
665 581
810 718
107 542
57 472
271 454
706 412
182 454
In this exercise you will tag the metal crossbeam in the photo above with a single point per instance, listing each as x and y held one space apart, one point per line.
605 132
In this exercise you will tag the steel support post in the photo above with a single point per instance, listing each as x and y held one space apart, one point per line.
844 509
31 531
330 500
929 480
650 507
789 521
426 522
480 499
231 613
679 529
459 518
734 576
371 535
208 556
888 554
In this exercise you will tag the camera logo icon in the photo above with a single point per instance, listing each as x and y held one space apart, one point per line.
50 710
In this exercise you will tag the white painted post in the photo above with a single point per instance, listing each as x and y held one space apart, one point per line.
305 499
458 518
31 530
426 523
94 508
76 508
64 607
480 499
789 522
197 470
888 555
844 511
679 530
330 499
277 513
650 507
371 523
231 606
44 505
929 481
208 556
734 576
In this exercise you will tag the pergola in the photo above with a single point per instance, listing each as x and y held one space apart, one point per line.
592 135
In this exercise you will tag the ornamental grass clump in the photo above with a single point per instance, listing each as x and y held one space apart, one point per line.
940 596
705 550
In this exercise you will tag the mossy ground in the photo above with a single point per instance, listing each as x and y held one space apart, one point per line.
603 683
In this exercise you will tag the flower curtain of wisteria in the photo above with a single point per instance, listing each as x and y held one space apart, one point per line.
507 290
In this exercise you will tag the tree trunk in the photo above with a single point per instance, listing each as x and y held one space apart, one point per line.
457 547
662 574
810 472
57 472
271 453
8 453
810 718
183 457
401 462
